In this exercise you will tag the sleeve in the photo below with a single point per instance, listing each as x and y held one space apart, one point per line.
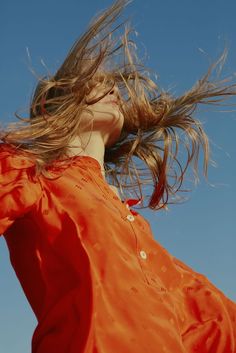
207 318
18 189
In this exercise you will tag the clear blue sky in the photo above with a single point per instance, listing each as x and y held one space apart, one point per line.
200 232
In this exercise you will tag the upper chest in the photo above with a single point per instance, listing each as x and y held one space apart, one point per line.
81 193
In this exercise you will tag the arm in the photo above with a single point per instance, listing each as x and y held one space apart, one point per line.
207 317
18 190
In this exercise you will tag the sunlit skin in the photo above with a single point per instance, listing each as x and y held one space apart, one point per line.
107 124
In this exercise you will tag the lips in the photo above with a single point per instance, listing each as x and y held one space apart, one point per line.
111 102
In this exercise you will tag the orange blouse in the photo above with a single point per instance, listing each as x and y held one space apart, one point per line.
95 277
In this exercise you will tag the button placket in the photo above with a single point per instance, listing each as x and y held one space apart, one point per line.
140 253
145 258
141 256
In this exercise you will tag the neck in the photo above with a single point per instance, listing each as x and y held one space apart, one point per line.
93 146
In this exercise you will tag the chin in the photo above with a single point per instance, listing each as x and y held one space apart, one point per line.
118 117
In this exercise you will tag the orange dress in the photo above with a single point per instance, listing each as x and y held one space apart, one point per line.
95 277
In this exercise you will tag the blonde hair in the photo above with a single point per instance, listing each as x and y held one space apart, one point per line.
156 123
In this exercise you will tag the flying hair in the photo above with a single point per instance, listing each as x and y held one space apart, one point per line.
157 125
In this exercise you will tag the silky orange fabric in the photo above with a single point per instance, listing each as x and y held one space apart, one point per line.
95 277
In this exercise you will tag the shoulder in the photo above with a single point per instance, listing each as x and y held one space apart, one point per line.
12 158
15 165
20 190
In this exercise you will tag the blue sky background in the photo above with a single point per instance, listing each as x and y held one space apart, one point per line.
201 232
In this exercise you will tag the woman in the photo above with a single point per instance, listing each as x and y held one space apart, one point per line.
88 263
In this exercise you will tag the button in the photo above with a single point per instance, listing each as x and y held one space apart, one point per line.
143 254
130 218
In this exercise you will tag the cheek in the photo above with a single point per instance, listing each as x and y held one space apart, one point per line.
96 93
92 96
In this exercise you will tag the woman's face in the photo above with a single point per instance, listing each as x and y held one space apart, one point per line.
107 115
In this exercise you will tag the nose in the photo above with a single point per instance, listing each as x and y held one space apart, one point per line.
114 92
